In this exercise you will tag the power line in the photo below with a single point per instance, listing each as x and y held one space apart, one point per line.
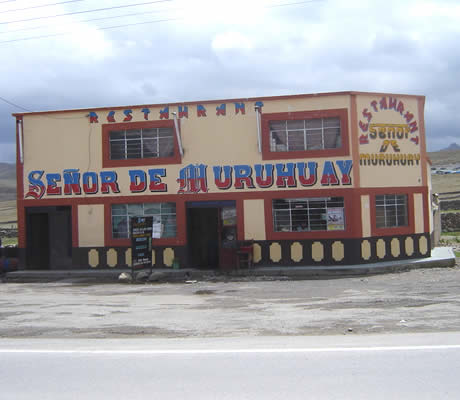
84 20
99 29
42 5
85 11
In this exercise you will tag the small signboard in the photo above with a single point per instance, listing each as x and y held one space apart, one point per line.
141 242
335 220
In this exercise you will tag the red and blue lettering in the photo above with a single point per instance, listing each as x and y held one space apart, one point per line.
71 181
93 118
111 116
345 169
285 174
164 114
221 110
200 111
128 116
260 180
138 181
52 188
312 176
156 185
329 176
146 112
36 186
109 182
240 107
90 182
226 183
183 112
243 175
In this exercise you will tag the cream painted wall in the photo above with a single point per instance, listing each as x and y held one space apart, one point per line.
366 216
57 141
254 220
91 225
381 176
418 212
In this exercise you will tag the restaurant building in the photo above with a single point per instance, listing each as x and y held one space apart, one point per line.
311 179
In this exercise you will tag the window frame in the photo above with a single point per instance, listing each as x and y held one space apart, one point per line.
143 204
399 230
386 207
309 209
343 150
107 162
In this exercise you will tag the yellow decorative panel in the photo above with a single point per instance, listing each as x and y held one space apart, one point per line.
296 252
366 216
153 257
381 248
366 250
128 258
93 258
338 251
409 244
257 253
317 251
418 212
91 225
423 245
275 252
395 247
112 258
254 219
168 256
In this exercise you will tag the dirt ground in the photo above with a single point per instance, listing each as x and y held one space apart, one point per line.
424 300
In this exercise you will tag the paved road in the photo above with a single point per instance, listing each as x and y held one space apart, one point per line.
416 366
423 300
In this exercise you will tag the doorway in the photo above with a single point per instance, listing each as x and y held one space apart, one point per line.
211 234
49 237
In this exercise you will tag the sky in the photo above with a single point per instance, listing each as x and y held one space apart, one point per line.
127 52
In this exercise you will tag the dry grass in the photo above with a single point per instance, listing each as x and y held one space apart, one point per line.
440 158
445 183
8 212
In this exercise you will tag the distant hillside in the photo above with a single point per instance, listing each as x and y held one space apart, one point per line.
452 147
7 181
440 158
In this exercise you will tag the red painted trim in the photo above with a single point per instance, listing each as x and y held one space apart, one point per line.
355 141
405 230
75 238
240 100
342 113
426 209
136 162
424 156
240 219
352 215
20 188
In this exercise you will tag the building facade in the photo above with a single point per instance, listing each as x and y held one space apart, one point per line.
320 179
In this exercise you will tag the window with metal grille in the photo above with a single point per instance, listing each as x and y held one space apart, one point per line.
141 143
309 134
164 215
308 214
391 210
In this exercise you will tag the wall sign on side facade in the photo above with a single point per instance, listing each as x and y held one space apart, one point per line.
193 178
384 141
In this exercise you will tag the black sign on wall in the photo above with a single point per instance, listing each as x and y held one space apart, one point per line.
141 242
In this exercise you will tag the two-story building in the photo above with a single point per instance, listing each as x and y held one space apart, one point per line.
314 179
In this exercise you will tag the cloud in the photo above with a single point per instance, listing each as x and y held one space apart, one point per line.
212 49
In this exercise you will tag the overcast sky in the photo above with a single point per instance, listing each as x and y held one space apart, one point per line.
212 49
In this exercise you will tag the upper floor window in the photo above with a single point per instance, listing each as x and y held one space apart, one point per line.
308 214
141 143
301 134
391 210
306 134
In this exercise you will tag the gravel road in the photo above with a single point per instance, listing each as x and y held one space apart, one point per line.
423 300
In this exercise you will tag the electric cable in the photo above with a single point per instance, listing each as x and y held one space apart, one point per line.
40 6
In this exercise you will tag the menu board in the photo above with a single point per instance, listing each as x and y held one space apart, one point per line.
141 242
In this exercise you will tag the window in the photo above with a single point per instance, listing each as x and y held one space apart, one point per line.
164 215
302 134
308 214
307 134
141 143
391 210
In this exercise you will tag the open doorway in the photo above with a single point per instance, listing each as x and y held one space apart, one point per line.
49 237
211 234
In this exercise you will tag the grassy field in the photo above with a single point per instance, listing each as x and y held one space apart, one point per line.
440 158
445 183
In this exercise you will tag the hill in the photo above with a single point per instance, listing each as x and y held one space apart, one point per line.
7 182
444 158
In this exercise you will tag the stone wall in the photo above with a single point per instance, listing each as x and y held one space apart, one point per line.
450 222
